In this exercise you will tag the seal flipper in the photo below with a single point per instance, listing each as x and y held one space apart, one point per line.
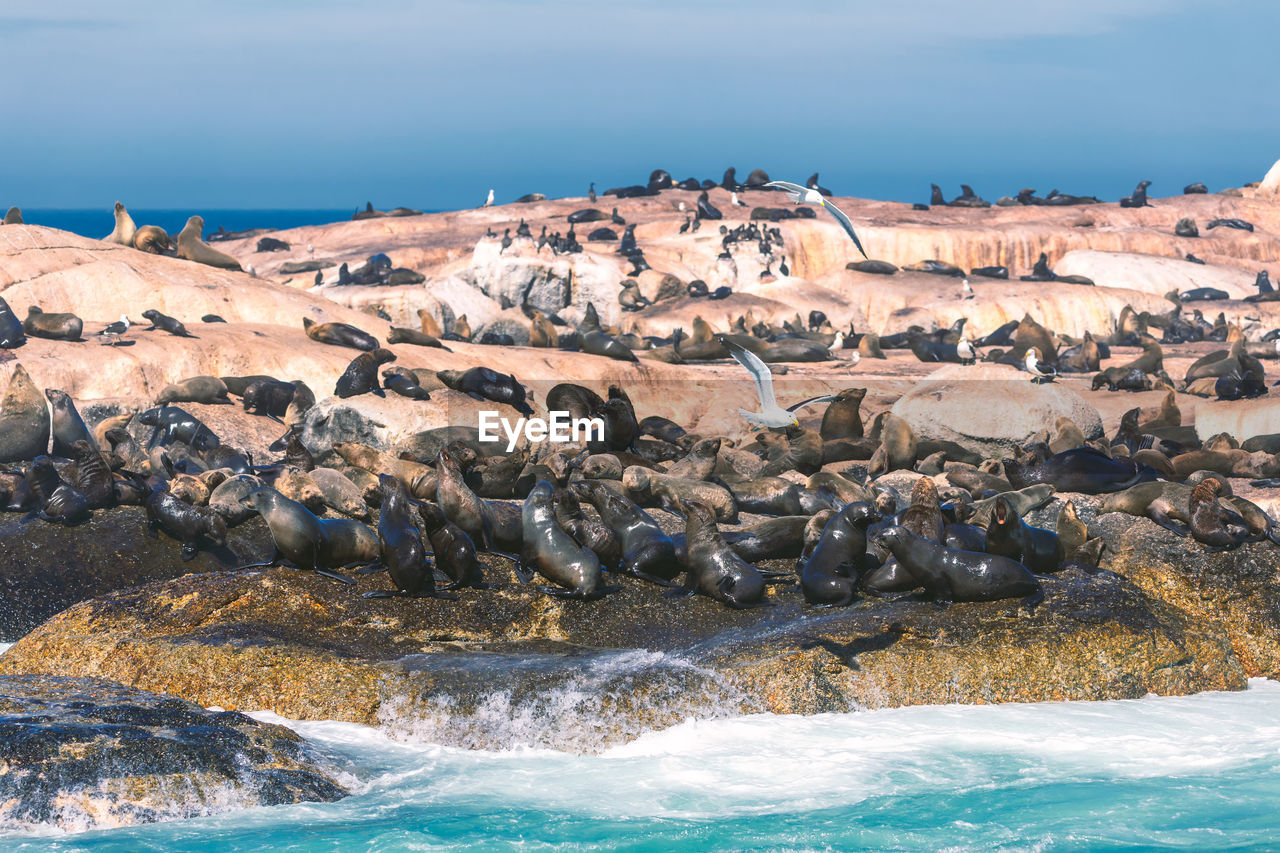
1033 600
690 586
338 576
380 593
371 569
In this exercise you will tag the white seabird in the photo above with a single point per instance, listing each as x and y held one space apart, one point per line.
488 202
1038 369
804 195
770 414
966 292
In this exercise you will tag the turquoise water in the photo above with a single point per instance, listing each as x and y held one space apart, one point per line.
1194 773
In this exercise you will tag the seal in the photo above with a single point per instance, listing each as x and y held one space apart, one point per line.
12 334
404 383
171 423
13 216
124 230
189 524
402 552
897 448
830 575
56 501
269 397
91 475
773 538
552 553
361 375
68 426
596 342
648 553
483 383
303 539
843 417
398 335
494 524
645 486
949 576
165 323
24 419
1083 469
195 389
713 567
1209 520
192 248
1008 535
57 327
419 479
455 553
339 335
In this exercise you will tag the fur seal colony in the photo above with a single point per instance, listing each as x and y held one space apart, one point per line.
851 505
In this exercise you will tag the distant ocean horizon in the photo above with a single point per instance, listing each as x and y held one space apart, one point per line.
99 222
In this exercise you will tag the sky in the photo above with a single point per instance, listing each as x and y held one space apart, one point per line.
319 104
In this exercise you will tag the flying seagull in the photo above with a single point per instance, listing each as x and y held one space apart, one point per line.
770 414
1040 371
804 195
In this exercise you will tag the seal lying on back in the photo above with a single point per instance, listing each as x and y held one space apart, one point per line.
483 383
552 553
1080 470
339 335
193 248
949 576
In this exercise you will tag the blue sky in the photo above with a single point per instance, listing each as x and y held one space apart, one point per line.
328 104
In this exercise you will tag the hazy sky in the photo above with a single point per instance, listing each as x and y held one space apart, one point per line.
310 103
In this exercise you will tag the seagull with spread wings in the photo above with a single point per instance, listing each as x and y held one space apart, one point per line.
804 195
770 414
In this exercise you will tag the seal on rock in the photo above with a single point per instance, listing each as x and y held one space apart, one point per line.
193 248
24 419
830 575
552 553
340 335
54 326
361 375
949 576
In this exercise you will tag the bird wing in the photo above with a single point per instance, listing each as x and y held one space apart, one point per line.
845 224
826 398
759 372
794 191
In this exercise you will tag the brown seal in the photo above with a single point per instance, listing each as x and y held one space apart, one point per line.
552 553
24 419
192 247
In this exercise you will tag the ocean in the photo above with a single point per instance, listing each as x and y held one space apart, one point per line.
1186 773
98 223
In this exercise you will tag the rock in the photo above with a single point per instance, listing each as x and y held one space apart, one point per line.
83 753
990 408
658 286
512 666
48 567
1236 593
1243 419
1153 275
1270 184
